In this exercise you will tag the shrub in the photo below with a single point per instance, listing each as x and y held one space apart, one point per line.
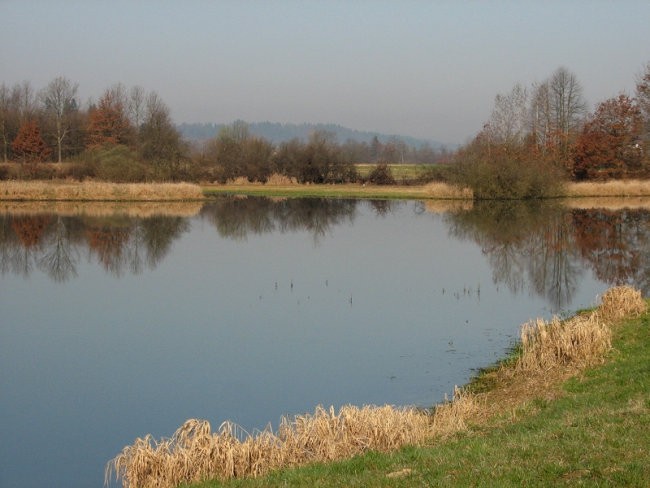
506 178
116 163
381 175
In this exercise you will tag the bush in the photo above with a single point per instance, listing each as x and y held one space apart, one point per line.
508 178
381 175
116 163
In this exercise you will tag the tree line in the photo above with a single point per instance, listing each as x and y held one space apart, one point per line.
535 137
542 134
128 135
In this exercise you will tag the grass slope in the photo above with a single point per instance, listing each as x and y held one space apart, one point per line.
593 431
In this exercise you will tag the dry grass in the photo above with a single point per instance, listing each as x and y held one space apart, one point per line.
444 190
578 342
98 191
194 453
550 352
614 188
622 301
102 209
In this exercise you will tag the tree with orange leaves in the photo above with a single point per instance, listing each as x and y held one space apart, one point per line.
609 145
29 145
108 122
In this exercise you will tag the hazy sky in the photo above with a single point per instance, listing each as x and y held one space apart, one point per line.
425 69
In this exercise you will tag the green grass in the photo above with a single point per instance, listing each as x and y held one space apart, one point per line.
401 172
597 433
319 191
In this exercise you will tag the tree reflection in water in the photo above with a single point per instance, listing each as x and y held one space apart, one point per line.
236 218
547 247
540 247
53 243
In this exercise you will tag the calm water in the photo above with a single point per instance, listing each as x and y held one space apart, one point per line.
115 326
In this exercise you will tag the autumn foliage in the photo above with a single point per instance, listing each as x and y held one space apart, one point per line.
28 145
108 122
609 145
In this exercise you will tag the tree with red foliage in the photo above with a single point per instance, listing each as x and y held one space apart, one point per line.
29 145
609 145
108 122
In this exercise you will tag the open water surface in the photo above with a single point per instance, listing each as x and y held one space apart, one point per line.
119 324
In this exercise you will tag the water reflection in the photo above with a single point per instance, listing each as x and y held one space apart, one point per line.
54 243
236 218
547 248
616 244
541 248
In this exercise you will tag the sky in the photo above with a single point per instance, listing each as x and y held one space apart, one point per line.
427 69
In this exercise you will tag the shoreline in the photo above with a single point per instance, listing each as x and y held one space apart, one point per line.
548 355
101 191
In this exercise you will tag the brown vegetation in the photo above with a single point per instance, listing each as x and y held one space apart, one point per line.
96 191
550 351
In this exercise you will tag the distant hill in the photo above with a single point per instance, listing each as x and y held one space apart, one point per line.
276 133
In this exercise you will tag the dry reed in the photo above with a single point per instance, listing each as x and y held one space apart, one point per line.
194 453
98 191
446 191
614 188
577 342
620 302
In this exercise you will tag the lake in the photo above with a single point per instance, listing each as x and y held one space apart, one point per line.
119 320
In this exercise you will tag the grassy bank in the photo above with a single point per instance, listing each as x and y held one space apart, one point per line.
550 414
282 187
571 191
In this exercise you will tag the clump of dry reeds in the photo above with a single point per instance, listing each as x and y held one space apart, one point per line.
194 452
445 190
614 188
452 416
95 191
622 301
579 341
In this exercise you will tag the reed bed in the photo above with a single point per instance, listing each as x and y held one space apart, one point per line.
98 191
581 340
549 350
102 209
620 302
447 191
194 453
613 188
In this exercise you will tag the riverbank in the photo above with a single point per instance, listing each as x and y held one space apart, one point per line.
99 191
545 415
442 191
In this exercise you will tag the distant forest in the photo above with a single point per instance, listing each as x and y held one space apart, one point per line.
277 133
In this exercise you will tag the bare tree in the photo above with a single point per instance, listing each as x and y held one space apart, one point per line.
567 104
509 118
60 103
643 99
136 105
